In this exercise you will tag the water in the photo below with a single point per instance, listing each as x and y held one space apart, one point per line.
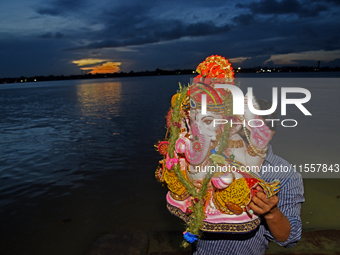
77 160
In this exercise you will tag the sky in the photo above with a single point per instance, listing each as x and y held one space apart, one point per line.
63 37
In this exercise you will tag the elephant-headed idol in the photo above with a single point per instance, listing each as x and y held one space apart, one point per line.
210 156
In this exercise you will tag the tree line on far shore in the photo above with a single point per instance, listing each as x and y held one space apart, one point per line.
165 72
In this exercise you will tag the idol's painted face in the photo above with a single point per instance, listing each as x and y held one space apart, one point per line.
204 124
202 132
260 135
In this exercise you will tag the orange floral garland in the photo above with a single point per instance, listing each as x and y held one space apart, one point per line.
214 66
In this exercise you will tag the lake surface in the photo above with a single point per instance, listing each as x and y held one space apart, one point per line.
77 158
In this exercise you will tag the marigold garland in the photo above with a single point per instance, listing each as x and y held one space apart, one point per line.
198 215
213 70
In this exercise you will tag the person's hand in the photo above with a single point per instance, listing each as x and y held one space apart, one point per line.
261 205
278 224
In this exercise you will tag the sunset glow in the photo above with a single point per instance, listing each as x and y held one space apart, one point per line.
105 67
88 61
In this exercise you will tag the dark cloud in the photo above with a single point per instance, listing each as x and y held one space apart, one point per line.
255 61
238 5
313 10
60 7
177 34
48 35
308 32
270 64
163 32
196 29
49 11
59 35
257 41
275 7
335 2
134 25
302 9
335 62
244 19
333 40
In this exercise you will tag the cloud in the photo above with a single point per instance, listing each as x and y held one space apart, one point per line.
255 61
162 34
275 7
49 35
159 31
108 67
105 67
302 9
150 23
237 61
88 61
335 62
335 2
244 19
311 56
59 35
132 23
60 7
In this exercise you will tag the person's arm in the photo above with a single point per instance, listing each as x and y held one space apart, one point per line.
278 224
288 200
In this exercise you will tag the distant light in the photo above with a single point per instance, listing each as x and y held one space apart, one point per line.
35 79
239 68
193 71
21 81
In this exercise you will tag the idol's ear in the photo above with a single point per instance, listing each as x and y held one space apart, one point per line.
248 115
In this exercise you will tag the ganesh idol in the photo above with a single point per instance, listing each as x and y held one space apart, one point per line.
211 169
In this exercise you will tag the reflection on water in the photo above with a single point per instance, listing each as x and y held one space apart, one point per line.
82 151
99 98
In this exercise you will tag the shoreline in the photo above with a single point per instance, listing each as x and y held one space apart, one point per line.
309 71
322 242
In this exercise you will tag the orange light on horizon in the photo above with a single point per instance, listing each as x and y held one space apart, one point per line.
105 67
108 67
88 61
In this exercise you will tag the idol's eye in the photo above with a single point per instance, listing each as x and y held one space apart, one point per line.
208 122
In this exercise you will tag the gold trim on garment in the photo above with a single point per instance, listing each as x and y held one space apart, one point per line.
237 193
177 189
218 227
